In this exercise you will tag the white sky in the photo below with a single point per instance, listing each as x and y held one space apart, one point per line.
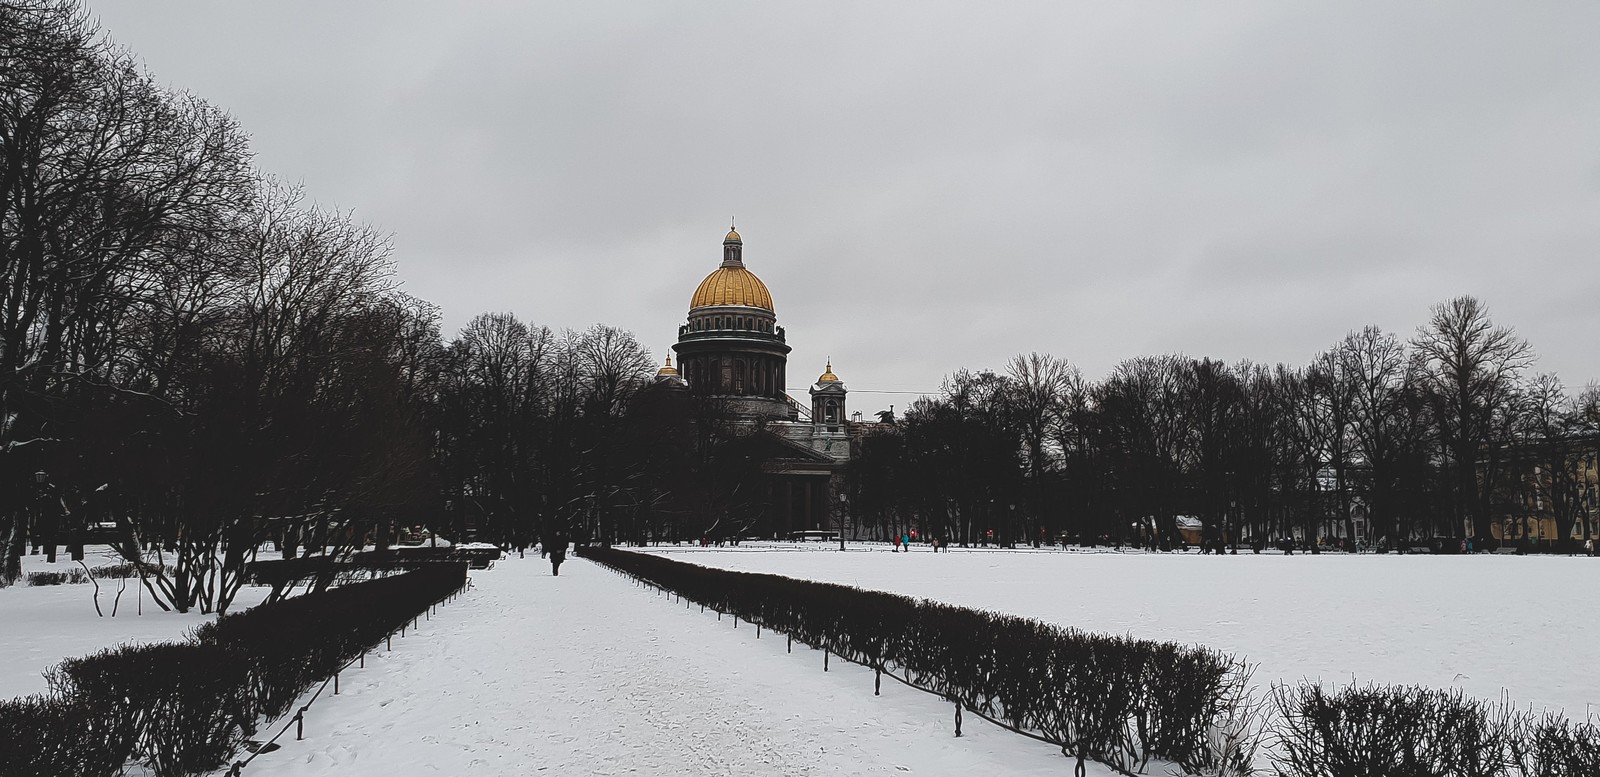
925 185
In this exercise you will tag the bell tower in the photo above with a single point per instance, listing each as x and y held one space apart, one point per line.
827 401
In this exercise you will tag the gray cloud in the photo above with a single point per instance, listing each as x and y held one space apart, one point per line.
926 186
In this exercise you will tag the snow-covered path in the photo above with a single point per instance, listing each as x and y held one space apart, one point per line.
588 674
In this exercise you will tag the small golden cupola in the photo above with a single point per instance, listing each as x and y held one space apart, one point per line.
828 400
668 371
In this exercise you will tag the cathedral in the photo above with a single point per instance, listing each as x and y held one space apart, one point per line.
733 355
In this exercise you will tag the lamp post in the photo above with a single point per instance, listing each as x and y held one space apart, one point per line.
844 505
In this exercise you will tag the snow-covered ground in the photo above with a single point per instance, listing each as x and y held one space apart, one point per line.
1525 625
40 625
588 674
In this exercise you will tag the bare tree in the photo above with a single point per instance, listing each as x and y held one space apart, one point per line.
1554 453
1471 372
1374 362
1041 386
1144 429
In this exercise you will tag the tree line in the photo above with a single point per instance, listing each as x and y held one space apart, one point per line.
1439 436
196 358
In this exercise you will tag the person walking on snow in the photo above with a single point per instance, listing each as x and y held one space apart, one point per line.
557 546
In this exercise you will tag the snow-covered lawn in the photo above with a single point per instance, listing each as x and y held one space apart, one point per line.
588 674
40 625
1527 625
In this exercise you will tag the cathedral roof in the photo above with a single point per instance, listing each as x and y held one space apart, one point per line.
828 376
732 286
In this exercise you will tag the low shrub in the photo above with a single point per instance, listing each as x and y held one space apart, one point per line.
177 708
1408 731
183 708
1117 700
114 571
46 735
75 576
53 577
1562 747
291 645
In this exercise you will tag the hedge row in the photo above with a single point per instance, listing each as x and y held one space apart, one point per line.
1117 700
184 708
1123 701
1408 731
75 576
284 573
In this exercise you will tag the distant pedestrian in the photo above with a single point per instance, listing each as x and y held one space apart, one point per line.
906 541
896 540
558 553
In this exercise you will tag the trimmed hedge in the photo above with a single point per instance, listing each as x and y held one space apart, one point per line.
1117 700
294 644
180 708
75 576
1408 731
183 708
284 573
46 735
1122 701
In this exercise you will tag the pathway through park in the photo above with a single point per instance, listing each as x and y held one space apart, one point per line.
587 673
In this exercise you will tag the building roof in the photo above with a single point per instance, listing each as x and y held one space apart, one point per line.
732 286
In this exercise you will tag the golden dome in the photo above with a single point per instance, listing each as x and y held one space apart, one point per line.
733 236
669 370
732 286
828 376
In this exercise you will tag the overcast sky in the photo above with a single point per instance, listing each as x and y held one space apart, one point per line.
926 186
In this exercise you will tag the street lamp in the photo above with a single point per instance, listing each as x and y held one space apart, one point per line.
844 505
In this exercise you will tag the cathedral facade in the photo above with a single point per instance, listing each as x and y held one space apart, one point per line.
732 356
